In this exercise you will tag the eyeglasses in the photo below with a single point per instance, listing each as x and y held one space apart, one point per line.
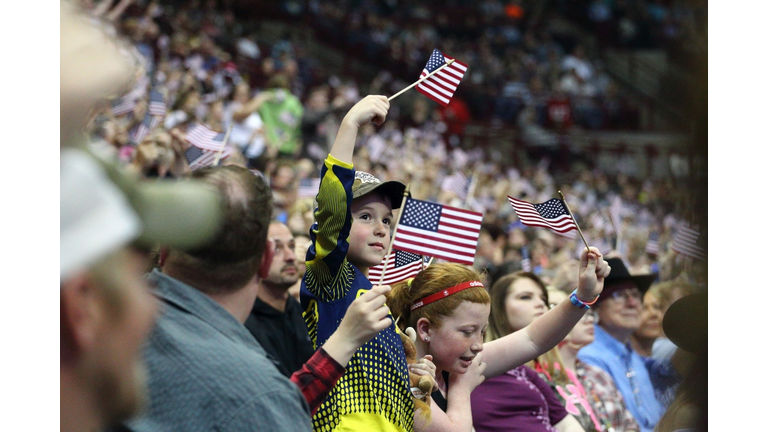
621 296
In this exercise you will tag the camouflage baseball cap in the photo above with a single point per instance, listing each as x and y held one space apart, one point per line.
366 183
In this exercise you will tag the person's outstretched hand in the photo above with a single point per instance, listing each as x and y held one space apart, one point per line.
592 272
372 108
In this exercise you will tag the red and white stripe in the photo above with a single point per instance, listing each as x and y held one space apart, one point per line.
455 240
528 215
441 86
685 243
203 137
393 275
208 157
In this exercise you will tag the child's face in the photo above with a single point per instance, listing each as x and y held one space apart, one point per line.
369 235
459 338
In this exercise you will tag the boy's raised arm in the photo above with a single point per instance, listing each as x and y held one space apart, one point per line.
372 108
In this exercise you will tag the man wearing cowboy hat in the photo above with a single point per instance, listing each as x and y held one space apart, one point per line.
618 310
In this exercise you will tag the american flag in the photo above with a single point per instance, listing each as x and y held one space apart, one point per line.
205 145
123 105
459 158
441 86
147 125
456 183
652 246
157 105
376 147
615 211
686 242
205 138
600 223
601 244
550 214
308 187
401 266
568 234
438 231
526 260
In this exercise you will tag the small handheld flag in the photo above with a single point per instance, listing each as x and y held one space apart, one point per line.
652 245
551 214
157 105
400 266
457 183
439 79
439 231
205 147
308 187
142 130
687 242
123 105
525 262
441 86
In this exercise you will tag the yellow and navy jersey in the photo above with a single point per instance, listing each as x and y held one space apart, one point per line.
374 392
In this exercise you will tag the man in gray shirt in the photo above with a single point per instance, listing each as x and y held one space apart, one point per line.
206 371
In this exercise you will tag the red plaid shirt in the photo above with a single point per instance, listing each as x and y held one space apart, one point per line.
317 377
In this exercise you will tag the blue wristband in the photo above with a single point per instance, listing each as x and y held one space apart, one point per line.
580 304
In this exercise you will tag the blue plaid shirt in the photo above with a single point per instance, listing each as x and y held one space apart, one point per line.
208 373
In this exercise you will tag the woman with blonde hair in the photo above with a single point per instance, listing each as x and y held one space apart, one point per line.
448 307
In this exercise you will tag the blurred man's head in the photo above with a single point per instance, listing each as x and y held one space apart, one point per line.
106 313
233 257
284 271
106 307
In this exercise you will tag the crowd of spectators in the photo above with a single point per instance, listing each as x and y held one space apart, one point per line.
633 24
521 71
279 112
283 123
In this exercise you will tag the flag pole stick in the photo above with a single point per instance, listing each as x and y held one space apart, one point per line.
406 194
448 63
471 189
223 144
562 197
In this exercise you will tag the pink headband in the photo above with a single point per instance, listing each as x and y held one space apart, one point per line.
445 293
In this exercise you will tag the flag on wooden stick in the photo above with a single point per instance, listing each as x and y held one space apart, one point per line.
687 242
401 265
441 86
157 105
551 214
206 144
439 231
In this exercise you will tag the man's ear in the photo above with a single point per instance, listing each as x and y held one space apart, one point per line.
266 259
79 317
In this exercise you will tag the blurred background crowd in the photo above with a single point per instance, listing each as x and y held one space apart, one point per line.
216 63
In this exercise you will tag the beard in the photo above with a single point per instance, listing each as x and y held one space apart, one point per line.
121 397
283 281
